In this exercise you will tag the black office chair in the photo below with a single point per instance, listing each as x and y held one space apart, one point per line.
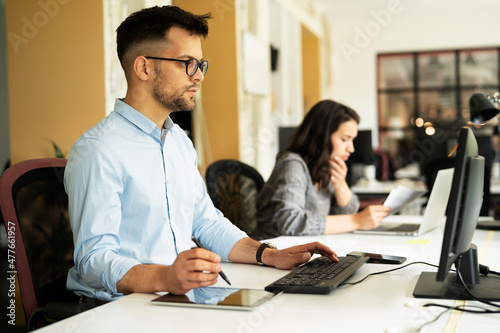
34 207
233 187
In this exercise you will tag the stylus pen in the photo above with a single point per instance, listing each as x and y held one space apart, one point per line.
221 273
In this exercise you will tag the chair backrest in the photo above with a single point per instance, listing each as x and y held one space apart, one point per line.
386 165
34 206
233 187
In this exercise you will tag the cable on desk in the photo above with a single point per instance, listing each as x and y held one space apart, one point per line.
387 271
462 308
467 290
485 270
433 320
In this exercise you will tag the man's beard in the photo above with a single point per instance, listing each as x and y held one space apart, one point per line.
169 102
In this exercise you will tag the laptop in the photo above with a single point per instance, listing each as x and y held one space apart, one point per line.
415 225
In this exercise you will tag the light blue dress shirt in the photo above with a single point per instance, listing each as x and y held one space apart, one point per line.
136 197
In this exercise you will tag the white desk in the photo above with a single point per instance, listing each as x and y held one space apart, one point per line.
375 305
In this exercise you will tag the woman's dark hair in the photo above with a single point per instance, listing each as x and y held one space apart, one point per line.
312 140
151 24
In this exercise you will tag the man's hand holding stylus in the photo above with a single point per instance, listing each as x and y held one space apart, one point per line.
191 269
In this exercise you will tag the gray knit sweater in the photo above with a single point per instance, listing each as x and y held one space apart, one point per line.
290 204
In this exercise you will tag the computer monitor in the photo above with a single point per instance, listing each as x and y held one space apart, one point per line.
363 148
363 155
284 136
462 213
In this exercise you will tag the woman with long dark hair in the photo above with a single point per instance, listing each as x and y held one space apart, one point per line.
307 192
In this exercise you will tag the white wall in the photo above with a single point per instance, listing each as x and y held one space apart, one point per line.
394 26
277 23
115 12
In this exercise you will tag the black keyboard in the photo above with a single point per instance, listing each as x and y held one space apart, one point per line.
318 276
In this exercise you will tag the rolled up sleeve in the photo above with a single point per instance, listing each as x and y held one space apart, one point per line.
95 225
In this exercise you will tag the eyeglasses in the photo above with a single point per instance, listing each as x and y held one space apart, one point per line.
192 65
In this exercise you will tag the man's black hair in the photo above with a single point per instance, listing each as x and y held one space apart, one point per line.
151 24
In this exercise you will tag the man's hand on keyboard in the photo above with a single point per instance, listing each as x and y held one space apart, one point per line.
296 255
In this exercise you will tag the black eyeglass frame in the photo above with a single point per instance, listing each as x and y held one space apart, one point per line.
186 62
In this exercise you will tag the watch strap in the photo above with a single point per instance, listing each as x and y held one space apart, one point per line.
261 249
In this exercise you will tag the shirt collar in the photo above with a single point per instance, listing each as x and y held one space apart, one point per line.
140 120
168 124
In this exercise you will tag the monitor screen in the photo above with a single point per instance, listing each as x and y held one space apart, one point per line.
284 136
363 151
463 209
363 148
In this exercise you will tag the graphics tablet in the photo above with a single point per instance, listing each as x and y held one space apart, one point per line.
218 298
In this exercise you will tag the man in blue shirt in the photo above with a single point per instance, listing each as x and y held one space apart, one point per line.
135 194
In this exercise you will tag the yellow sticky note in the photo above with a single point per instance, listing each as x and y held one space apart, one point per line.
418 241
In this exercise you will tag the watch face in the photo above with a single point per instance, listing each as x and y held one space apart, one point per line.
272 246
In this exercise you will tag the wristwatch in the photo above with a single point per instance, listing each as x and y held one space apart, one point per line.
261 249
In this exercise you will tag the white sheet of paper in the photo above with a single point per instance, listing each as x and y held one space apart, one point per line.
400 197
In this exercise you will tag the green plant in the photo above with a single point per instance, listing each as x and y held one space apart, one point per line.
58 152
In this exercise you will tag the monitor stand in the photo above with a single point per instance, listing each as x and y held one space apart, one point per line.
427 287
484 287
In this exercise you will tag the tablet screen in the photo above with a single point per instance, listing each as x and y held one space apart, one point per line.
215 297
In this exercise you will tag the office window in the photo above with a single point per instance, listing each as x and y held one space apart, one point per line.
423 98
